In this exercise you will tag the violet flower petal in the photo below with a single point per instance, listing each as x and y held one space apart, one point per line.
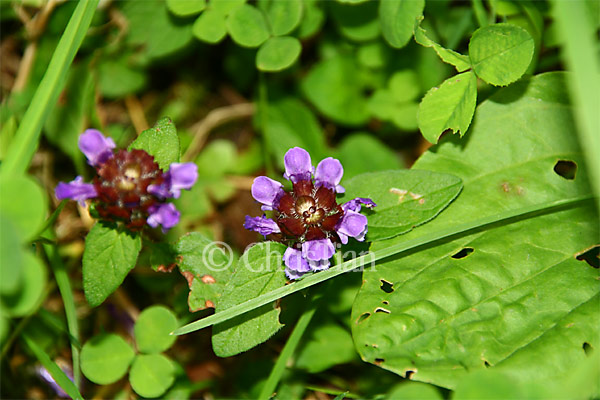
352 224
317 253
266 191
329 174
161 191
76 190
263 225
165 215
295 262
354 204
95 146
297 165
181 176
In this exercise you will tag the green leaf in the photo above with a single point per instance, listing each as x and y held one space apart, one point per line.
283 16
501 53
451 106
494 384
206 266
210 26
117 79
373 155
459 61
414 391
24 202
11 257
327 345
278 53
405 199
185 8
152 329
247 26
108 257
105 358
383 105
357 22
31 291
259 271
312 19
151 375
290 123
225 7
26 139
398 19
167 35
509 296
404 85
332 86
160 141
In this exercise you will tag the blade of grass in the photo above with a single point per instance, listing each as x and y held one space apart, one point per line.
505 217
26 139
581 57
290 346
59 376
64 286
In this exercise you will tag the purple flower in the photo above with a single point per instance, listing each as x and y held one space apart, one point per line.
96 147
329 174
295 262
308 218
297 165
317 253
76 190
179 176
129 186
165 215
263 225
266 191
352 224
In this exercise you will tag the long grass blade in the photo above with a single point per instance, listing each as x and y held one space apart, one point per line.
363 261
25 142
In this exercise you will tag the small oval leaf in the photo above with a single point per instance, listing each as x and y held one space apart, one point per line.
248 26
152 329
106 358
278 53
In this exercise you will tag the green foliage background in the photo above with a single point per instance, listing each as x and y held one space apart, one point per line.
473 125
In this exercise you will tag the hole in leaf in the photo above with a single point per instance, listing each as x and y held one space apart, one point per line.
409 374
463 253
590 256
566 169
386 286
386 302
587 348
363 317
379 361
383 310
486 364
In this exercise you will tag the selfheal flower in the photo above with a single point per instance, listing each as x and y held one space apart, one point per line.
129 186
308 217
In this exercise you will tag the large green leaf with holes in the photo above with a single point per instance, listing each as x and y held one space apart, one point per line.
514 297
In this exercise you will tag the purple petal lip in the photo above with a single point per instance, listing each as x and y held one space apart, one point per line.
296 264
329 174
182 176
96 147
352 224
76 190
165 215
355 204
297 165
263 225
317 253
266 191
